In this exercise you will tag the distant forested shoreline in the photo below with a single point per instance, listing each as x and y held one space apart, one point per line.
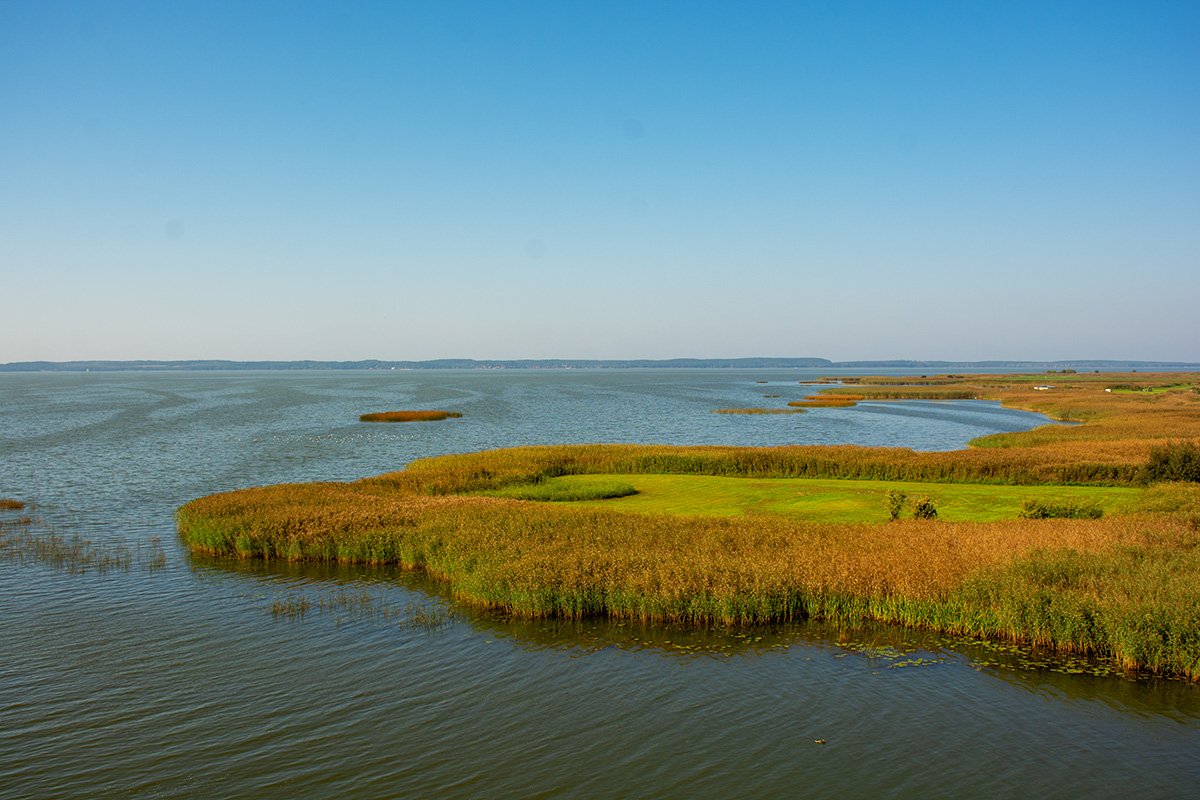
574 363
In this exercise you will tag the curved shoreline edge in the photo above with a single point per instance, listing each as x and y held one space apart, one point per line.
1125 588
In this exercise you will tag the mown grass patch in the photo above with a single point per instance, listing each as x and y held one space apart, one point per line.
841 500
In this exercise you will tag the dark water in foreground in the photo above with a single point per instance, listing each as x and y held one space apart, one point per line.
172 676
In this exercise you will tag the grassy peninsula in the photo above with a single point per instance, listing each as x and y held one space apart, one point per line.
735 535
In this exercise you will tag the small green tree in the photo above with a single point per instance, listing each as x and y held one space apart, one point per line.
923 508
895 504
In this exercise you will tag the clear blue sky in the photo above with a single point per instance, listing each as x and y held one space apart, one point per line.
255 180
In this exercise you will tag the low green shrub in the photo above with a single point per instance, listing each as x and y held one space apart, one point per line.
1036 509
923 508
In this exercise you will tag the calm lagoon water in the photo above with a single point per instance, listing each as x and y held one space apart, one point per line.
176 676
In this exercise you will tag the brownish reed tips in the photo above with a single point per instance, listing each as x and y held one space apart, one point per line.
408 416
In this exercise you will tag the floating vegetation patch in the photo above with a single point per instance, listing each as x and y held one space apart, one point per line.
891 656
982 654
10 504
879 647
722 644
408 416
31 540
986 654
351 606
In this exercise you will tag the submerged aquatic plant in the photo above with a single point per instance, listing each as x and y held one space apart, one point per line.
33 540
346 606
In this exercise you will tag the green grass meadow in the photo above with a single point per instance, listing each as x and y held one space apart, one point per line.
820 500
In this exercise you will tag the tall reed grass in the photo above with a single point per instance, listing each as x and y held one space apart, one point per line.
828 401
537 559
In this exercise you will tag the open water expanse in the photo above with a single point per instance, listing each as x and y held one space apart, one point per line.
165 675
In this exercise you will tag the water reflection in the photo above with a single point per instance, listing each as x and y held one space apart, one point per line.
410 601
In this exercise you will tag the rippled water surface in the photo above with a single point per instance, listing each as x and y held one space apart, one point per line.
165 675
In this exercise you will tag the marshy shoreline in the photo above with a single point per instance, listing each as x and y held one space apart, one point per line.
1122 587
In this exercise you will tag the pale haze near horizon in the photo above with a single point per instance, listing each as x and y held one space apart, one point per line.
547 180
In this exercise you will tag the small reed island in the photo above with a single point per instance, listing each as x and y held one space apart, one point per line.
1079 539
408 416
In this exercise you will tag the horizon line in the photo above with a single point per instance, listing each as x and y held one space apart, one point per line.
468 363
